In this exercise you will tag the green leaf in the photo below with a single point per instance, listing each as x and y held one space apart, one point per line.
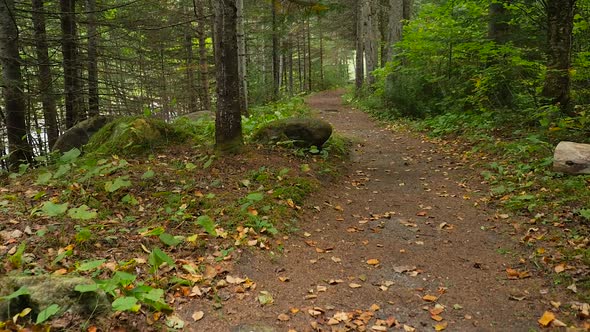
51 209
123 278
157 258
208 224
17 259
154 232
82 213
44 178
585 213
83 235
208 163
120 182
126 303
148 175
190 166
255 197
61 171
21 291
265 298
70 156
130 199
87 288
90 265
170 240
45 314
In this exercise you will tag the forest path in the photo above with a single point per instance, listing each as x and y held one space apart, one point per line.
401 224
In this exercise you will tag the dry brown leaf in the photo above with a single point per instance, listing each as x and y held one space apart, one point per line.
353 285
559 268
283 317
198 315
436 318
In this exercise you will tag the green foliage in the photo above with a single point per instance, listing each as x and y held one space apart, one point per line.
208 225
46 313
157 258
262 115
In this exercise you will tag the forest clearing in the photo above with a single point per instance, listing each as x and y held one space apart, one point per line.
295 165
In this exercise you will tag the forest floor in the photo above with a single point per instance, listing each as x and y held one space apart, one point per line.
404 240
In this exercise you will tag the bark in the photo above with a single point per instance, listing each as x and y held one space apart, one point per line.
70 62
408 9
203 62
14 98
93 99
228 121
499 22
321 32
190 71
309 57
393 33
371 39
243 57
276 70
45 75
560 23
360 49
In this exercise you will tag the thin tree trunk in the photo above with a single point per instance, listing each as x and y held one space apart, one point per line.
45 75
371 39
276 70
360 49
560 15
309 57
70 62
203 61
228 120
190 70
300 63
243 59
93 99
12 81
321 32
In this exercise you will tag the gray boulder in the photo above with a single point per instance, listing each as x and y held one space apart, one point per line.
45 290
572 158
80 134
304 132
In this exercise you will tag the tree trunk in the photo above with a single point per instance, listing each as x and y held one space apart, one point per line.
393 33
70 62
371 39
243 57
93 100
276 70
309 57
12 81
499 22
228 122
203 61
360 49
45 75
321 52
190 70
560 23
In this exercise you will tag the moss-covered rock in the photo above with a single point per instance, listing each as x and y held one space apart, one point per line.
304 132
45 290
133 135
80 134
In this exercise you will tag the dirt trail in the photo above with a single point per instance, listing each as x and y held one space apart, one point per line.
407 204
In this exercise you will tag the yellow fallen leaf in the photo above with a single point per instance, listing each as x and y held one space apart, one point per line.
440 327
429 298
283 317
353 285
373 261
546 319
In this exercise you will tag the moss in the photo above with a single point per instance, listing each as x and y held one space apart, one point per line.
296 189
133 135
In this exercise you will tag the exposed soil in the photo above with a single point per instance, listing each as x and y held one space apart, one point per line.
407 220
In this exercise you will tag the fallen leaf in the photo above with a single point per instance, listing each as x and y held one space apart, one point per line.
408 328
546 319
440 327
198 315
422 214
436 318
283 317
336 259
284 279
265 298
375 307
429 298
353 285
314 313
559 268
373 261
379 328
